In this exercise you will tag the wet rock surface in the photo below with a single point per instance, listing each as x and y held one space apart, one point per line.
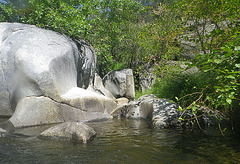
69 131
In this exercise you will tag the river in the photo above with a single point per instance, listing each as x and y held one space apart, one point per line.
121 141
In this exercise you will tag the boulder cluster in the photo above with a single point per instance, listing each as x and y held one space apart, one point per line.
47 78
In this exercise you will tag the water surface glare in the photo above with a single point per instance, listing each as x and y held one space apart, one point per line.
122 141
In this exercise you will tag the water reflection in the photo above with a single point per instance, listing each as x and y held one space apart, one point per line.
121 141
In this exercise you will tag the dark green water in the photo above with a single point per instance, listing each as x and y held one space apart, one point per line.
122 141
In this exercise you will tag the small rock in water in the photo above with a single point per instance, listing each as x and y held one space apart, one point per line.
70 131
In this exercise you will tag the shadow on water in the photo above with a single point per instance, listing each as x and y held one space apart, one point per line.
122 141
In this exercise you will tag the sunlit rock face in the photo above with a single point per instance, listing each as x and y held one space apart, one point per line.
120 83
37 63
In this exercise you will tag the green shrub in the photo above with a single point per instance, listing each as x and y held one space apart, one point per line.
186 87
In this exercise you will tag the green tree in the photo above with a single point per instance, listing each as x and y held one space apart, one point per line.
115 35
71 17
215 24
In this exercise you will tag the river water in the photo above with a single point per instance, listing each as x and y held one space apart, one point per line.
121 141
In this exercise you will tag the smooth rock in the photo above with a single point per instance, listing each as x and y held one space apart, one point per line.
32 111
36 62
70 131
89 101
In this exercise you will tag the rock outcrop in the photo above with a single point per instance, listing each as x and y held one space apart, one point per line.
70 131
40 75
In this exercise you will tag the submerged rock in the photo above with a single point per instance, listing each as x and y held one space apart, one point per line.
70 131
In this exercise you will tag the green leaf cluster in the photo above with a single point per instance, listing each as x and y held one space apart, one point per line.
224 64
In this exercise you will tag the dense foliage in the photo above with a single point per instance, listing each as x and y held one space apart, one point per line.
139 33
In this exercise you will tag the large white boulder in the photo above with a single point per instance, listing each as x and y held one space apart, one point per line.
40 72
